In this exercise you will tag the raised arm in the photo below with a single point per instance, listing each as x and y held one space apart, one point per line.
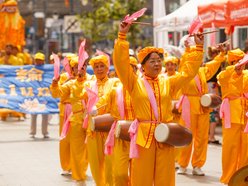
121 58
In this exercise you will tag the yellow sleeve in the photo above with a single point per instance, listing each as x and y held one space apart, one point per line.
104 103
212 67
121 62
188 71
60 91
224 75
184 58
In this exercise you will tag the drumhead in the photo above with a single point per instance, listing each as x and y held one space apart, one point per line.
206 100
161 132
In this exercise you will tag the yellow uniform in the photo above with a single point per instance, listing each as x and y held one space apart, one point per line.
121 147
78 153
64 145
100 165
199 116
155 165
12 60
235 141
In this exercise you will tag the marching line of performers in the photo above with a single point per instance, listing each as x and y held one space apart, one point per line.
148 97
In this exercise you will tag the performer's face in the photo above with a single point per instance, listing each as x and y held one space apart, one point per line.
153 65
240 69
170 67
100 70
75 70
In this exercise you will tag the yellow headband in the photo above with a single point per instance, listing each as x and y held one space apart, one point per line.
171 59
133 60
74 61
147 50
98 59
40 56
235 55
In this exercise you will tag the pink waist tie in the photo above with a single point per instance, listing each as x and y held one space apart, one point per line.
134 153
184 101
66 124
109 144
225 112
246 127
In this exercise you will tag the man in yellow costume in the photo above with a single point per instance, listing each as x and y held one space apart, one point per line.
74 92
100 165
194 116
9 58
153 162
234 88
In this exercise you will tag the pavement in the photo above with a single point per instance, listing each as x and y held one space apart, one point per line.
35 162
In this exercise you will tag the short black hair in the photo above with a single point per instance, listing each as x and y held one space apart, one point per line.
148 56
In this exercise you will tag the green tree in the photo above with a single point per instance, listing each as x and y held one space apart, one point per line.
101 20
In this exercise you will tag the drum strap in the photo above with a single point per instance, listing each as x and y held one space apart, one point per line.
120 102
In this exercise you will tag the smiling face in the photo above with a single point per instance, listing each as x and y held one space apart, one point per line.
100 70
170 68
153 66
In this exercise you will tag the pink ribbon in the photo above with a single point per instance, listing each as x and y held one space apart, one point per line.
246 127
134 16
67 67
194 26
92 100
111 139
184 101
225 112
56 66
134 152
109 144
82 55
66 125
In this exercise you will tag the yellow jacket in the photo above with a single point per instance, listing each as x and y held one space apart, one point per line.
12 60
110 100
233 87
163 89
205 73
74 91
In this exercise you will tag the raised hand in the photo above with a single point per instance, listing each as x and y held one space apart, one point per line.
199 39
124 27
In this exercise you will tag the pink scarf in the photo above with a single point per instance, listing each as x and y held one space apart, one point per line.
184 101
66 125
134 153
225 112
109 144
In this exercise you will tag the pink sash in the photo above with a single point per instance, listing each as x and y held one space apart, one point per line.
66 125
198 83
92 100
134 153
225 112
184 101
109 144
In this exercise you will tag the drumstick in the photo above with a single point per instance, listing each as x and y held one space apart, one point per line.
101 106
203 33
145 23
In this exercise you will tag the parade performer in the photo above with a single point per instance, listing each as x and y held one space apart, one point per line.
195 117
74 91
119 105
100 165
64 112
233 111
153 162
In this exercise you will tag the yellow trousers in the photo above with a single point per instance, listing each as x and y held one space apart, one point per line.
101 166
154 166
79 160
234 151
199 127
176 119
121 163
64 147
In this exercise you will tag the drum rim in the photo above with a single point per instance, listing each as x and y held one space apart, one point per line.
204 97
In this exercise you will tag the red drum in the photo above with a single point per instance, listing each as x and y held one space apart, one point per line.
102 123
211 100
121 130
173 134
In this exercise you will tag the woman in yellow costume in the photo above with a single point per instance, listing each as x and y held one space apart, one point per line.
234 88
119 105
73 91
64 112
194 116
100 165
153 162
